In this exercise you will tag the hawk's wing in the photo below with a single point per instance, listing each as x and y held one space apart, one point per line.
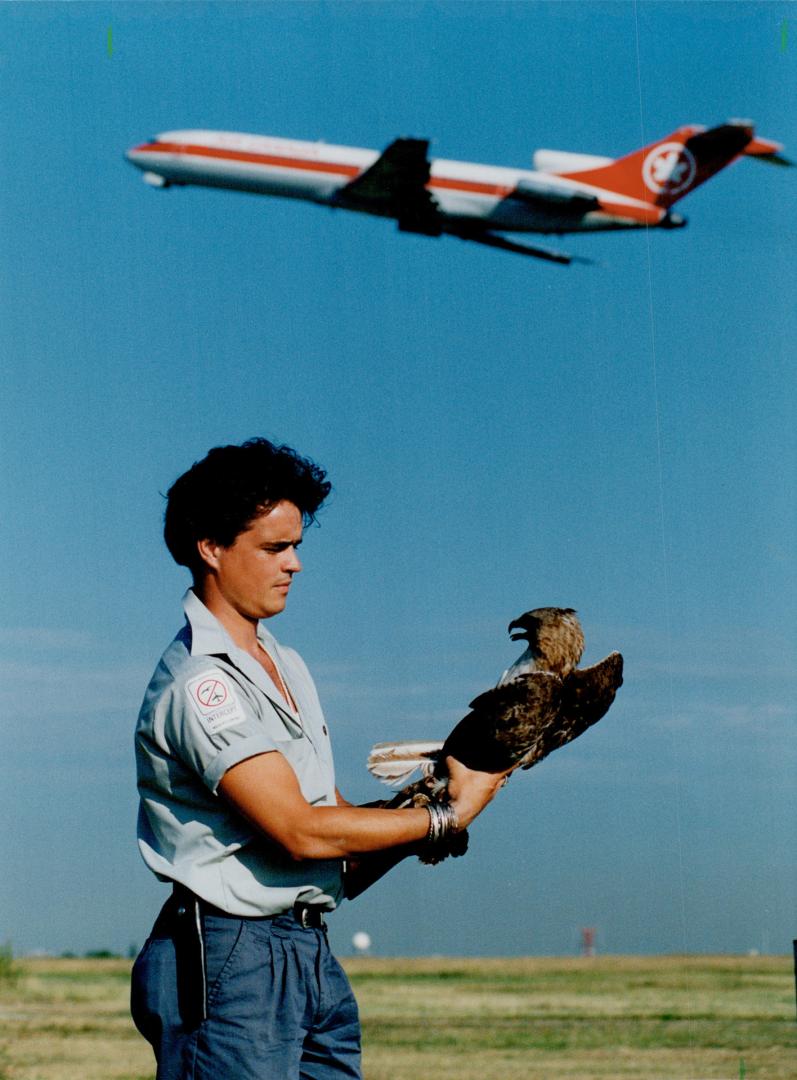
586 696
506 723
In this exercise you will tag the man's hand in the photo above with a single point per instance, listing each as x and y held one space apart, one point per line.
469 790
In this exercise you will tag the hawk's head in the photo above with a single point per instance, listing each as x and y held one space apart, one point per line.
554 635
530 623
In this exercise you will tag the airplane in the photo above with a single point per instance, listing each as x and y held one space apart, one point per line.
564 193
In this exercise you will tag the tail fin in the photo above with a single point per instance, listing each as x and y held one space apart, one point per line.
665 171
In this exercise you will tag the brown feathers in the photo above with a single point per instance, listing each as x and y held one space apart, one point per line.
505 723
542 702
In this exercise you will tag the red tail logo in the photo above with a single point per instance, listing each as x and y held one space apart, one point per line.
669 169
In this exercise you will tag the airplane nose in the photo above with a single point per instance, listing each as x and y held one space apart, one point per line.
136 156
136 153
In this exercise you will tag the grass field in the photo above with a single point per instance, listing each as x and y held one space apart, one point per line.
669 1018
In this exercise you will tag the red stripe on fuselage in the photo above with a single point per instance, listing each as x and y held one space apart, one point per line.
254 159
473 186
334 167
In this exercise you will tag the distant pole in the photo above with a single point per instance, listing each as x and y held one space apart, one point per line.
588 941
794 946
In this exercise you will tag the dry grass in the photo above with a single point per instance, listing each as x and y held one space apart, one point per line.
670 1018
69 1020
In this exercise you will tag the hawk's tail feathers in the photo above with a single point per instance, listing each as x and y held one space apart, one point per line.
394 762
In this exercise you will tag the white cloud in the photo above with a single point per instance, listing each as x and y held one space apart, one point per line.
729 668
58 689
44 637
768 719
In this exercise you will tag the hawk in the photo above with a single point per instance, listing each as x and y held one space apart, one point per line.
543 701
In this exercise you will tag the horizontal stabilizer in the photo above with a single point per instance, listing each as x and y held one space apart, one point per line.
767 150
775 159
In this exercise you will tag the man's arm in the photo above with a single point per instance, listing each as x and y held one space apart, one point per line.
361 871
265 790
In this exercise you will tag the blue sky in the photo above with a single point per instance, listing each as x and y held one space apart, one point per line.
501 434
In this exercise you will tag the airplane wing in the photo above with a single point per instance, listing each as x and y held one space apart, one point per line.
395 186
495 240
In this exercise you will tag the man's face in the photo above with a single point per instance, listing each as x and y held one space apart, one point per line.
254 574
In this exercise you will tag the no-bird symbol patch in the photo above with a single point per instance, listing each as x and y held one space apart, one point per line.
211 693
215 701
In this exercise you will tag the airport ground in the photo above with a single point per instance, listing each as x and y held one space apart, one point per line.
640 1018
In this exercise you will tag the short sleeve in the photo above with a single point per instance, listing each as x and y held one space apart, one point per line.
209 723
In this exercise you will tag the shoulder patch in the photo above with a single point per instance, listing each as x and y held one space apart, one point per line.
214 700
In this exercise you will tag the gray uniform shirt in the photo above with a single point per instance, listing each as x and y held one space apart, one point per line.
209 706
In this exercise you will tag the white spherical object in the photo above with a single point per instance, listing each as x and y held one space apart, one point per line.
361 941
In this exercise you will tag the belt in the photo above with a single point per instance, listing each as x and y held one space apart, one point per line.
308 916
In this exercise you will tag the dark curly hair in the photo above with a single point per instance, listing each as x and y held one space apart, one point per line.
221 495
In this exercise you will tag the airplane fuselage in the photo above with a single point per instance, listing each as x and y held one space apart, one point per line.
565 192
319 172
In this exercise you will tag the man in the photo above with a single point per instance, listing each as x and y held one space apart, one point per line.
239 809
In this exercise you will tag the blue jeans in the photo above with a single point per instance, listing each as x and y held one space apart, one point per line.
278 1004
